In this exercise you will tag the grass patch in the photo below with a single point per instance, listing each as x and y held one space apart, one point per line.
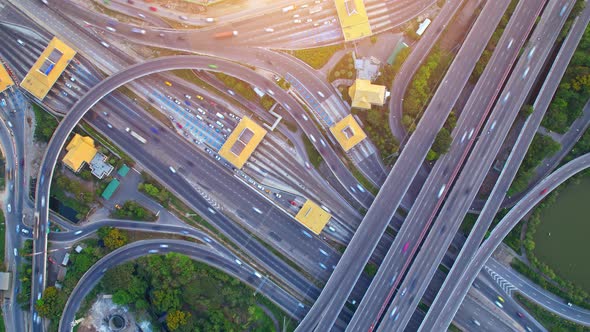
314 156
468 223
549 320
343 69
541 147
238 86
316 57
45 124
363 180
444 269
376 125
370 269
131 210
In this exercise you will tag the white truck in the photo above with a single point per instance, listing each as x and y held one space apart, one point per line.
136 135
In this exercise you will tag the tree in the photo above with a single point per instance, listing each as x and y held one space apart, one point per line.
48 306
526 110
442 142
177 318
150 189
115 239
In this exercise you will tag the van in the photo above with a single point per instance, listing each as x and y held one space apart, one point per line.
172 169
22 43
219 115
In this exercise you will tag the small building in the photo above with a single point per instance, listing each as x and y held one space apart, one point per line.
78 249
364 94
48 68
81 150
348 132
99 166
313 217
110 189
354 21
367 68
5 79
242 142
422 27
123 171
4 281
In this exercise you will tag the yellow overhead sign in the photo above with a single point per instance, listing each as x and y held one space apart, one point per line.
242 141
353 19
313 217
48 68
348 132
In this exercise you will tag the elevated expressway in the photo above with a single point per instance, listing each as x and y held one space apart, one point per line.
476 167
197 252
541 104
324 312
444 172
518 212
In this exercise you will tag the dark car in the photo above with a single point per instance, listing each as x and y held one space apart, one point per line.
519 314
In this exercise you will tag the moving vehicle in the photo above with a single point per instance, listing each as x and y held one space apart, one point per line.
111 29
172 169
476 322
219 115
519 314
104 44
136 136
269 30
137 30
238 261
167 83
210 19
9 208
501 299
544 191
182 17
499 304
321 94
22 43
406 246
225 34
257 210
288 8
154 9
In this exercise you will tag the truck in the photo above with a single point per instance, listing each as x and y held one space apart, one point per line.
225 34
66 259
136 135
288 8
137 30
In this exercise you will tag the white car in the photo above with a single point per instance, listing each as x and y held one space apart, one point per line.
269 30
257 210
9 208
25 231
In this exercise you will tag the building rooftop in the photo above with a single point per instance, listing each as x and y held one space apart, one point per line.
80 150
242 142
99 166
348 132
48 68
110 189
5 80
364 94
313 217
353 19
367 68
123 171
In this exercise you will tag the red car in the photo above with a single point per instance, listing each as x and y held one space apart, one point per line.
544 191
406 246
154 9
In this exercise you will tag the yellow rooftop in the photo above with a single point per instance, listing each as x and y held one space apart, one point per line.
313 216
364 94
45 72
353 19
242 141
348 132
5 80
80 150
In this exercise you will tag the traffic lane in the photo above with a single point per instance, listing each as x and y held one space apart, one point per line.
221 181
142 248
512 164
188 193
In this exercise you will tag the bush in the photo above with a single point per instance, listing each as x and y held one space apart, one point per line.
133 211
541 147
316 57
45 124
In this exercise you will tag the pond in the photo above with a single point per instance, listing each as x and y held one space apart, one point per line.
562 236
66 211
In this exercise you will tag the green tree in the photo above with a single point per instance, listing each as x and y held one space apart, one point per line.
115 239
177 318
442 142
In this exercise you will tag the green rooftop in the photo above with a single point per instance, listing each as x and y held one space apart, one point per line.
123 170
110 189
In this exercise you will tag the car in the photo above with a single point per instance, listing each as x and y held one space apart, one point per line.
309 20
213 66
154 9
296 16
322 266
163 246
161 34
269 30
297 21
65 94
476 322
182 17
569 304
9 208
211 210
393 312
3 102
177 102
519 314
206 239
528 329
17 228
11 186
323 252
501 299
441 191
187 96
153 251
110 126
43 201
231 92
499 304
321 94
210 19
25 231
352 189
15 252
360 188
544 191
406 246
172 169
68 85
111 29
304 117
199 97
306 234
238 261
307 165
140 15
78 232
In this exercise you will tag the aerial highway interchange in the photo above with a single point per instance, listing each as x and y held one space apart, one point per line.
151 78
